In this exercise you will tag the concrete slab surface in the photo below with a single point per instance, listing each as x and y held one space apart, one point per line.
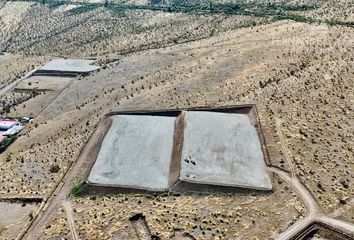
203 151
43 83
135 153
70 65
222 149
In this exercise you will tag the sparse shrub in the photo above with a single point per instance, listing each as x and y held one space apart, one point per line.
30 215
54 168
8 158
75 189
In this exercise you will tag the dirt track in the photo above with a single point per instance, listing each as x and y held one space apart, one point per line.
12 85
60 194
278 123
68 209
85 159
315 213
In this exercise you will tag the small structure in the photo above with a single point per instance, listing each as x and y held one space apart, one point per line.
67 67
14 130
6 124
2 139
9 128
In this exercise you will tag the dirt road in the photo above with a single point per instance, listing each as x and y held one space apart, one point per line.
336 223
13 84
68 209
278 123
315 213
310 202
312 206
62 191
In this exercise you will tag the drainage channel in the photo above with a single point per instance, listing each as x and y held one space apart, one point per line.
21 199
141 228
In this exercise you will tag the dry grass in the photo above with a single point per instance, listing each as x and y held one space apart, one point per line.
101 31
298 72
14 66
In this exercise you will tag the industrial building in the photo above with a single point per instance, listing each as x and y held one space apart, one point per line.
6 124
9 128
2 139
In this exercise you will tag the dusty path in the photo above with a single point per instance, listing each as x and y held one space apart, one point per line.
142 229
285 150
60 194
310 202
63 189
315 213
337 224
69 215
13 84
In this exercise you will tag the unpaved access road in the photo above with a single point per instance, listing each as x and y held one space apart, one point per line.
62 191
310 202
69 215
13 84
315 213
278 123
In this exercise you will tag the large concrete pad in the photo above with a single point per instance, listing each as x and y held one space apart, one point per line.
70 65
222 149
135 153
181 151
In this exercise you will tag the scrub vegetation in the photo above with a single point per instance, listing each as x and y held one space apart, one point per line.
293 58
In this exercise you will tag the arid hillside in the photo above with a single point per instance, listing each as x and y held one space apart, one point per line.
99 31
105 27
299 73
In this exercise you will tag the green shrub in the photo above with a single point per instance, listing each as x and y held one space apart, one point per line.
30 215
53 3
76 188
83 8
54 168
8 158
